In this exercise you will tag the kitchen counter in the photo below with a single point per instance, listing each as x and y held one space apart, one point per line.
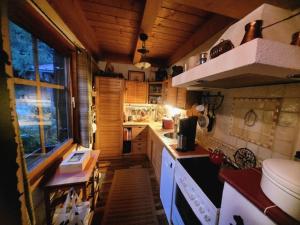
169 143
247 182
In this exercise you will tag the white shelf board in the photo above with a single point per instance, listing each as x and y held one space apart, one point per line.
261 57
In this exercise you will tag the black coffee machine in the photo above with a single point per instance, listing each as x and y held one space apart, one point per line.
187 133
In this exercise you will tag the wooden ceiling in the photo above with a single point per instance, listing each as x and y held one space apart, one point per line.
110 28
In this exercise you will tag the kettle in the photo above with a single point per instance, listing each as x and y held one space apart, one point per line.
216 157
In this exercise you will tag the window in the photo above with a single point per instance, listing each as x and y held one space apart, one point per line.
42 97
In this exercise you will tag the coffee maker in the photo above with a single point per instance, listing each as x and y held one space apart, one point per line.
187 133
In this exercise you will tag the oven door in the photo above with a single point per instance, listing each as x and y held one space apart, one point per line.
182 213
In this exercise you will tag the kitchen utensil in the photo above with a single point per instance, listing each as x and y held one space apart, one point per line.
203 57
203 121
177 70
216 157
222 47
250 118
252 30
211 120
296 39
200 108
280 182
244 158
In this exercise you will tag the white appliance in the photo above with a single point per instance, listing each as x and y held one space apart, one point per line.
166 182
197 192
281 184
75 161
237 210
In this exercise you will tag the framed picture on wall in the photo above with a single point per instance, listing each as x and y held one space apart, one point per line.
136 75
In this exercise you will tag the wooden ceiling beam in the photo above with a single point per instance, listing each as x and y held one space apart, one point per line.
233 8
150 13
70 11
207 30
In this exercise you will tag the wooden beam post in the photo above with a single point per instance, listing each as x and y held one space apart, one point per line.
150 13
236 9
72 15
211 27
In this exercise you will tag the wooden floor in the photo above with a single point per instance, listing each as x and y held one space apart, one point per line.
109 167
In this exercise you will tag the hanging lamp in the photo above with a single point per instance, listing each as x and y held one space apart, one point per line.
143 64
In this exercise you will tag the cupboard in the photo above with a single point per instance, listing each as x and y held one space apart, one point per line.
138 139
174 96
154 153
136 92
109 115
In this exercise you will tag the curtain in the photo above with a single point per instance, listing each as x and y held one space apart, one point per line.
84 76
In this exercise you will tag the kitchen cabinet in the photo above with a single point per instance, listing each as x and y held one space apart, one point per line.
155 92
139 139
174 96
136 92
170 93
181 98
166 182
240 211
109 115
155 154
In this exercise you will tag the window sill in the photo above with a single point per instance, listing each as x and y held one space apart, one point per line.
36 173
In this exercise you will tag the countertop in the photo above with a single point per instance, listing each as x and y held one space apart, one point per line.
247 182
169 143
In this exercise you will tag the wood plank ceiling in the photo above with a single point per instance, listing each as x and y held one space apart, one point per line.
175 27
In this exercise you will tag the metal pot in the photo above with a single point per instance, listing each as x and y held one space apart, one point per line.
252 30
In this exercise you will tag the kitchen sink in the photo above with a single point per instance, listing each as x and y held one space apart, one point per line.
171 135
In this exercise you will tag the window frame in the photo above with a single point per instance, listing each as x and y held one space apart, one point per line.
36 171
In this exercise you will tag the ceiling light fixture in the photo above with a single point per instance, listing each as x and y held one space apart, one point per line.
143 64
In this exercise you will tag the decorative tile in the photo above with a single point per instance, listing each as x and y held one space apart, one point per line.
241 143
288 119
264 153
285 133
291 105
283 147
253 147
277 155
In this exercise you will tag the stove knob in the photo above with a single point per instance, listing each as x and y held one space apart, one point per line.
192 196
201 209
197 202
206 218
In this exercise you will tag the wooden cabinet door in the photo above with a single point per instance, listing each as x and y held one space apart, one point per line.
109 116
141 92
136 92
181 98
149 144
157 156
139 139
171 94
130 91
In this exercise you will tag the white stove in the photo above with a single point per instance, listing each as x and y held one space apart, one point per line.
198 192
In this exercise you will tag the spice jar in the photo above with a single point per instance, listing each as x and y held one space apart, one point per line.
203 57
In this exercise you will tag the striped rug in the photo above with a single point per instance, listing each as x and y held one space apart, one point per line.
130 200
